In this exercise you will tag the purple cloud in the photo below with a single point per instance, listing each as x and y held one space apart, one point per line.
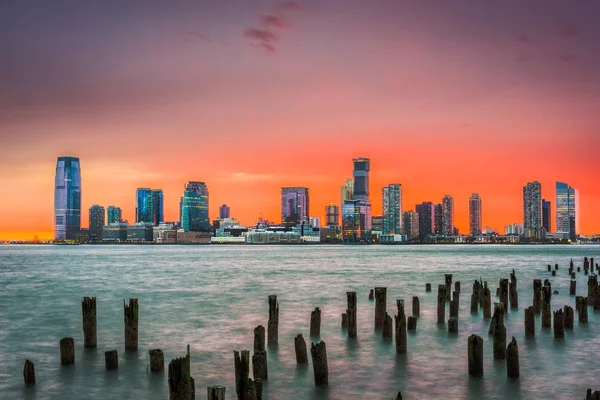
568 29
260 34
273 21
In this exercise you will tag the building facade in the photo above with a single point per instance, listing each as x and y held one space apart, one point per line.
224 212
96 222
294 206
67 198
567 211
356 221
410 224
532 210
392 209
447 225
332 215
437 219
193 208
114 214
475 220
426 212
347 191
149 206
547 215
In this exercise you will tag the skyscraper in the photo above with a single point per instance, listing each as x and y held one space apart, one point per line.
114 214
224 211
475 221
67 198
392 209
532 209
294 206
149 206
332 214
97 217
567 211
547 215
158 207
356 213
193 208
362 166
426 219
437 219
410 224
447 216
347 191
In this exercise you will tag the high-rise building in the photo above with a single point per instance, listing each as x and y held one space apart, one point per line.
377 223
426 213
447 216
332 214
193 208
567 211
362 166
392 209
315 222
356 221
547 215
67 198
294 206
97 218
114 214
149 206
158 207
410 224
347 191
475 222
437 219
224 211
532 210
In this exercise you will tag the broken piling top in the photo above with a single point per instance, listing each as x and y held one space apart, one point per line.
380 306
400 306
67 351
29 373
448 281
300 348
371 295
475 355
157 360
111 359
273 323
351 313
130 317
242 371
529 321
318 353
215 392
259 338
88 314
512 360
315 322
416 306
181 383
559 326
441 304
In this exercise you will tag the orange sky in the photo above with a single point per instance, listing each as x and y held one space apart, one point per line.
451 99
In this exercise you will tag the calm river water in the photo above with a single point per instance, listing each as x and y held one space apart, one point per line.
212 297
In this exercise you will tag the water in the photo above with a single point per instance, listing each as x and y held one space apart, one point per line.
212 297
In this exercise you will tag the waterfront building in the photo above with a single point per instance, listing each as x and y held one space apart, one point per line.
347 191
377 223
447 216
96 222
115 232
114 214
426 213
547 215
193 237
224 212
140 232
332 215
67 198
410 224
391 209
475 220
513 230
158 207
149 207
294 206
567 211
165 233
315 222
356 213
532 210
193 208
437 219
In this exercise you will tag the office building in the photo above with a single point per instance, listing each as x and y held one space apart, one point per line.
547 215
567 211
347 191
193 208
114 214
158 207
149 207
377 223
410 224
96 222
426 212
532 210
356 221
67 198
392 209
332 215
224 212
115 232
315 222
437 219
475 222
294 206
447 223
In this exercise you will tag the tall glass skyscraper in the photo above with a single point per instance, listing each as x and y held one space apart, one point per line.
547 215
332 214
426 213
392 209
97 218
347 191
447 216
194 208
149 206
224 211
158 207
114 214
294 205
475 215
567 211
356 213
67 198
532 210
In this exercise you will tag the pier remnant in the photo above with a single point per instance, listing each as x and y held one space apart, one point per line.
498 331
568 317
300 347
400 319
592 285
318 352
504 293
380 306
475 355
351 313
454 305
244 386
411 324
259 358
215 392
448 280
573 288
512 291
529 321
111 359
474 303
537 295
131 314
428 287
441 304
582 311
457 286
88 313
157 360
371 295
452 325
29 373
512 359
416 307
344 321
487 303
387 328
315 323
181 383
259 338
273 323
67 351
546 310
559 327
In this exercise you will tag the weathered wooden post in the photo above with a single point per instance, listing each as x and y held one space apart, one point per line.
351 313
273 323
529 321
398 396
452 325
573 288
259 338
581 304
504 293
475 351
586 263
315 323
111 359
482 286
474 303
556 267
537 295
181 383
412 323
441 304
597 297
553 273
371 295
259 358
380 306
559 327
546 308
157 360
344 321
88 313
428 287
513 294
300 347
487 303
215 392
387 328
131 314
457 286
512 360
401 341
67 351
448 280
498 331
573 276
416 307
549 267
568 317
318 352
29 373
454 305
244 386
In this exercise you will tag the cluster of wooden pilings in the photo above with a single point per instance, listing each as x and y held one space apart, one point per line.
182 385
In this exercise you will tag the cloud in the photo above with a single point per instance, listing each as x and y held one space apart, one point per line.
287 6
264 37
567 57
266 47
568 30
261 35
273 21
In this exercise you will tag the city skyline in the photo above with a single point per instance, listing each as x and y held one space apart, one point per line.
452 99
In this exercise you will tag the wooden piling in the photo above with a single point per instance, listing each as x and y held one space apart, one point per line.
504 293
582 311
452 325
537 296
559 327
259 339
416 306
88 313
454 306
259 365
244 386
514 298
300 347
131 314
568 317
428 287
315 323
371 295
553 273
111 359
448 280
498 331
556 267
318 352
411 323
29 373
380 306
344 321
530 321
157 360
546 307
573 288
487 303
215 392
273 323
549 267
387 328
351 313
457 286
475 355
441 304
181 383
512 360
401 341
474 303
67 351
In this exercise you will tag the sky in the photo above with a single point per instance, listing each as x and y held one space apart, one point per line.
445 97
